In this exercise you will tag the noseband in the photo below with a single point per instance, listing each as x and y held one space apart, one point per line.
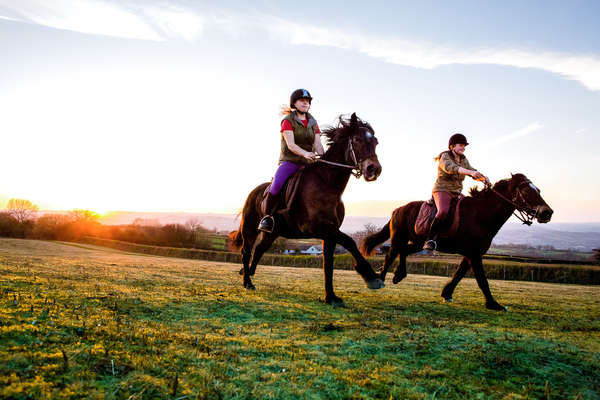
356 168
526 212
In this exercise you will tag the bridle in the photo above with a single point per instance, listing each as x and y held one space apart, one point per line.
356 168
526 212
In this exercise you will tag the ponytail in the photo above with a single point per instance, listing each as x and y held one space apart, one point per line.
437 158
285 110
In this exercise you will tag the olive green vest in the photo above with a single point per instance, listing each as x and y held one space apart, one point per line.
303 137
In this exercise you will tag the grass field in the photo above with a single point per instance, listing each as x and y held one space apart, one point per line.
78 321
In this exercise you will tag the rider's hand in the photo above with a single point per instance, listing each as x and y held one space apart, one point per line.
477 175
487 181
310 156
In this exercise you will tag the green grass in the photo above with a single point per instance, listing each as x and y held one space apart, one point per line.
87 322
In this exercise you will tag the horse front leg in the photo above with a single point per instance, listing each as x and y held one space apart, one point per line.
460 273
361 266
330 297
490 302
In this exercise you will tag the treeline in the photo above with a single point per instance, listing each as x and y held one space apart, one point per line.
20 220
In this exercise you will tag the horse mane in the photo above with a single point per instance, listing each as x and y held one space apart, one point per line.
336 133
499 186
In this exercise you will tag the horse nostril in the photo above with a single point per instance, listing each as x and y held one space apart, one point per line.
546 213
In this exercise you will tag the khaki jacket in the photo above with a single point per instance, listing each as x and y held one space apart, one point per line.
448 178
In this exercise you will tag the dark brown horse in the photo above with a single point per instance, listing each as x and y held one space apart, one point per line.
481 217
317 210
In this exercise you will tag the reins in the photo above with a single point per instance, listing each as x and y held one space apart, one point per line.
526 214
356 170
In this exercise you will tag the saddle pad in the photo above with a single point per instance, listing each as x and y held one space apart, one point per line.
426 214
289 190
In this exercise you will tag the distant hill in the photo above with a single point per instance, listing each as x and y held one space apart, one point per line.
577 236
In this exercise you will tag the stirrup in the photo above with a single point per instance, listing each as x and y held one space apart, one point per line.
430 245
267 223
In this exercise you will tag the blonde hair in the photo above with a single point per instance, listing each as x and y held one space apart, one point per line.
286 110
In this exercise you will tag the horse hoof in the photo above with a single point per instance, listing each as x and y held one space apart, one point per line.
241 271
449 300
336 302
375 284
249 286
397 279
495 307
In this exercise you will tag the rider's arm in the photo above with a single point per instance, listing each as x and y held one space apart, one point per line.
449 166
472 172
318 146
294 148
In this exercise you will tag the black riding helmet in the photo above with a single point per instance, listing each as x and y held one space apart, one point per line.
456 139
299 94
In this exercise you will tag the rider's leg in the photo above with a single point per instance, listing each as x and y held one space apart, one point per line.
285 170
442 202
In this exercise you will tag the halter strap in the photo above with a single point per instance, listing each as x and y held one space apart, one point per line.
354 167
527 213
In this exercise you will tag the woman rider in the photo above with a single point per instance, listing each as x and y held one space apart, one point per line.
300 144
453 166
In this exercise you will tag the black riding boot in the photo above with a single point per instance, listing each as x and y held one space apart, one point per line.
267 223
434 230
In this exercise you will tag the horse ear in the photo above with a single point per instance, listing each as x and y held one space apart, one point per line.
353 121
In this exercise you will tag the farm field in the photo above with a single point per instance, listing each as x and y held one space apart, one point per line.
79 321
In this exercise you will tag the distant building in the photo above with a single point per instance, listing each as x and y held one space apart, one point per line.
312 249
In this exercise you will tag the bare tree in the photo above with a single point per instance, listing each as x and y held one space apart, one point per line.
22 210
194 224
80 215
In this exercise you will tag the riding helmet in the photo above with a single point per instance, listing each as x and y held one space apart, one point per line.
456 139
299 94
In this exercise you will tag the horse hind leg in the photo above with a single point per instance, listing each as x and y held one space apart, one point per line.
389 260
400 272
245 270
263 244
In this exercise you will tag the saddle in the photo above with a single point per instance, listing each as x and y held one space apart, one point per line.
427 214
289 190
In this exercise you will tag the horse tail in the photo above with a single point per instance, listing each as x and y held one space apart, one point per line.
368 244
236 239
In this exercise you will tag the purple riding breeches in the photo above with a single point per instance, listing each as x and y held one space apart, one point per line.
285 170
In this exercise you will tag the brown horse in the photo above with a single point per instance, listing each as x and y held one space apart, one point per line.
481 217
317 210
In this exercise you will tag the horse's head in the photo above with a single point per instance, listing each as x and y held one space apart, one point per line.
353 143
526 196
361 148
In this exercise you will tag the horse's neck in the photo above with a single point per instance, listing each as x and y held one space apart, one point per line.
498 210
334 177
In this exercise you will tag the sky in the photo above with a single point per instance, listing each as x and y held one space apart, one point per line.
174 105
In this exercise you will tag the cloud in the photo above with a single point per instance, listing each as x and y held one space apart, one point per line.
528 130
8 18
419 54
164 21
86 16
